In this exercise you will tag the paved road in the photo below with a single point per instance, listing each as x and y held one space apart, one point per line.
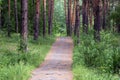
58 62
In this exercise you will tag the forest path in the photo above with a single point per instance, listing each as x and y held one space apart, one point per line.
58 62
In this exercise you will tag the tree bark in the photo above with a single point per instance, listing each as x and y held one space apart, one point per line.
44 18
66 15
85 16
91 17
69 18
50 15
24 25
104 14
37 17
90 13
118 27
9 24
0 18
97 19
73 15
77 22
16 15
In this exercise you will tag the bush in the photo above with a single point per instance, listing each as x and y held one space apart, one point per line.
104 55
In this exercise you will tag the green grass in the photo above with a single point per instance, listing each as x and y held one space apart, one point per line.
84 73
97 60
15 65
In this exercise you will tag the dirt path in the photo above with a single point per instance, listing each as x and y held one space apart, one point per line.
57 65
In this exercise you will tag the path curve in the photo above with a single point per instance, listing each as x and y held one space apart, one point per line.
57 64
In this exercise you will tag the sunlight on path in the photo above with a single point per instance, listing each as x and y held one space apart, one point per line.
57 65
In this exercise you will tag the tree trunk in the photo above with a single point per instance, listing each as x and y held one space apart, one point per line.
44 18
97 18
0 18
118 28
90 13
69 18
77 22
37 17
24 25
50 15
91 17
73 15
16 15
9 23
66 15
85 16
104 14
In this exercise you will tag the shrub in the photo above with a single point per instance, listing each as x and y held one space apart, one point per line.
104 55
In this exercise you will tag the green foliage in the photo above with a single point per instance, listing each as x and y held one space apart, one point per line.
104 55
15 64
59 18
83 73
115 15
17 72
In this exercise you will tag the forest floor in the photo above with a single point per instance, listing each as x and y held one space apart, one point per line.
58 62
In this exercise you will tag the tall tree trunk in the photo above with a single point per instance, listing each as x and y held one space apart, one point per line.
85 16
44 18
16 15
91 17
77 22
69 18
66 15
108 13
24 25
118 25
0 18
113 8
37 17
50 15
90 13
97 19
9 23
73 14
104 14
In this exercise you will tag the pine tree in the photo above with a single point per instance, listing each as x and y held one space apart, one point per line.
37 18
24 25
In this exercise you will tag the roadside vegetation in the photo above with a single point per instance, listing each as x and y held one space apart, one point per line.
16 65
97 60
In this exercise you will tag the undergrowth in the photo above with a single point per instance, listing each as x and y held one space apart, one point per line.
97 60
15 65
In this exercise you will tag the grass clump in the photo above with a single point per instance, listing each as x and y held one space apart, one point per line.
15 65
17 72
84 73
